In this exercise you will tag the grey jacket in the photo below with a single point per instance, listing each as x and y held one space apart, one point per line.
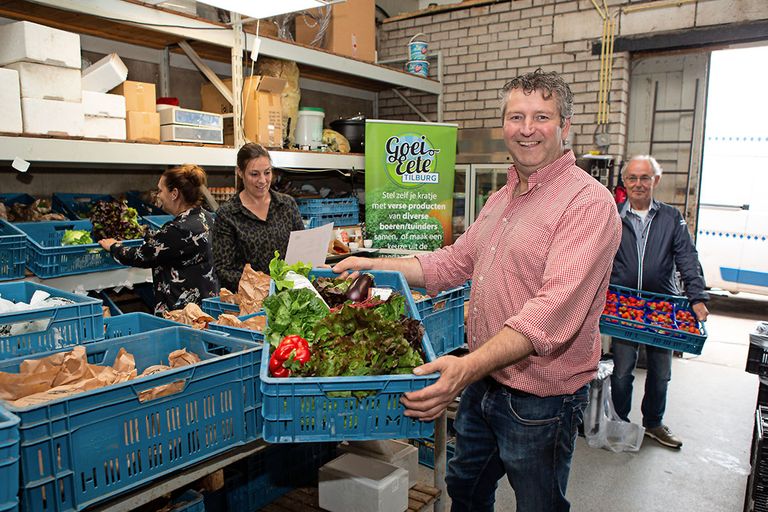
668 247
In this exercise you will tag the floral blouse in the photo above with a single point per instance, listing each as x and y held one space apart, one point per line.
240 237
181 260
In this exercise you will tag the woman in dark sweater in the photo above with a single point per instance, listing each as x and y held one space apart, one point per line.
179 254
255 223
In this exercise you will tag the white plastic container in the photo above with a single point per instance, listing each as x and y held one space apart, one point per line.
309 128
10 101
185 116
182 133
27 41
362 484
46 82
51 117
391 451
104 128
99 104
105 75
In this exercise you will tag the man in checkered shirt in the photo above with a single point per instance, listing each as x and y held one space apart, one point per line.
539 256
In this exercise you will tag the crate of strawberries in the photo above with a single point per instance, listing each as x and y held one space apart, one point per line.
665 321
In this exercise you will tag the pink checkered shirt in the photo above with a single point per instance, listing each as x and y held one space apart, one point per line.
540 263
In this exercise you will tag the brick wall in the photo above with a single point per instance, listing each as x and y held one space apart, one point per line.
483 47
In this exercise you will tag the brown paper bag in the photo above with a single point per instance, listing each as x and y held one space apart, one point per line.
190 315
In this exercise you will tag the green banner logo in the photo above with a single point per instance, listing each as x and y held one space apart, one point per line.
410 160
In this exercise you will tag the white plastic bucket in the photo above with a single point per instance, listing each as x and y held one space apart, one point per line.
417 50
418 67
309 127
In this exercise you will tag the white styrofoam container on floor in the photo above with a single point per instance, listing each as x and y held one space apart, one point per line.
182 133
105 75
362 484
52 117
104 127
10 101
31 42
185 116
391 451
46 82
100 104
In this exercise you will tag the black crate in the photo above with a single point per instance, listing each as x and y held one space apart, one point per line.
757 360
759 477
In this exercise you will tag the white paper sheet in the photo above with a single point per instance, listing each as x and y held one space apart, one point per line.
309 246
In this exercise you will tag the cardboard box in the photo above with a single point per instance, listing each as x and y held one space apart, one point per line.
30 42
104 127
362 484
105 75
139 96
52 117
10 101
142 126
351 31
100 104
48 82
262 107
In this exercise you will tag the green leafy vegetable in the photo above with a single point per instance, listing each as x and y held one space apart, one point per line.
76 237
114 219
278 268
293 312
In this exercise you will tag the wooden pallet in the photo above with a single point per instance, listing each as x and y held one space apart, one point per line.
305 499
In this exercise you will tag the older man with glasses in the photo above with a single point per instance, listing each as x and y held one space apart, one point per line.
654 243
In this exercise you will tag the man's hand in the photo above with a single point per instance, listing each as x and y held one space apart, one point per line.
107 243
701 311
353 263
428 403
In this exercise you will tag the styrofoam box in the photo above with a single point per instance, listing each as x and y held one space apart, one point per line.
100 104
10 101
105 75
391 451
52 117
27 41
46 82
362 484
104 127
181 133
185 116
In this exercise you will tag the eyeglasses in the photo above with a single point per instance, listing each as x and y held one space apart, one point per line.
645 180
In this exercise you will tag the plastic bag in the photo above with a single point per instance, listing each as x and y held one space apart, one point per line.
602 426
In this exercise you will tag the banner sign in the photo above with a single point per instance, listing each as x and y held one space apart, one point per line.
409 170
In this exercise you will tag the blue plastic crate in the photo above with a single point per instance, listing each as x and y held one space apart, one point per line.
47 328
467 290
46 257
12 198
77 206
86 448
656 335
338 219
299 409
321 207
189 501
133 199
236 332
443 318
13 251
156 222
214 306
134 323
427 452
9 460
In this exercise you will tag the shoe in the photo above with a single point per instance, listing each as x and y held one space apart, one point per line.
664 436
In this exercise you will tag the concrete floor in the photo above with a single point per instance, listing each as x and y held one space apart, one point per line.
710 405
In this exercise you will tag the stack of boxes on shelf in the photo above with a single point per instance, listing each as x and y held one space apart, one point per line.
104 113
262 109
185 125
142 122
46 62
756 497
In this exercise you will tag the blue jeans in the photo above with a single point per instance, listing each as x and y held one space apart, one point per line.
531 439
659 364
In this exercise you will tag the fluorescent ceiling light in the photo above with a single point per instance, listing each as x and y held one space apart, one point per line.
260 9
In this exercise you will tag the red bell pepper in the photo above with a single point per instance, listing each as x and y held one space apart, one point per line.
292 348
